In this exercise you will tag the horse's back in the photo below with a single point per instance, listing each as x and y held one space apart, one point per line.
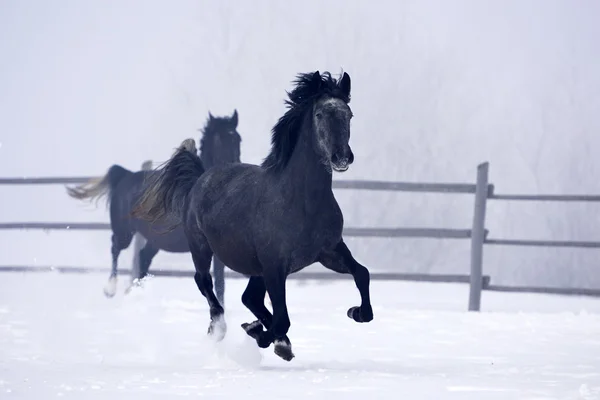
228 181
124 196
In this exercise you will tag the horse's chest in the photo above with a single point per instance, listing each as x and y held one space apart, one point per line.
312 237
329 228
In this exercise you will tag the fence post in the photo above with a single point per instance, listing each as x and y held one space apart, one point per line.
138 240
478 237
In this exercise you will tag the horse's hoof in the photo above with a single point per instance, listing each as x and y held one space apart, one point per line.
253 329
284 350
110 289
356 314
217 329
134 283
256 332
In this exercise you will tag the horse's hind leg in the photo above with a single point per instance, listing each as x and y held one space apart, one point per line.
340 260
146 254
120 241
202 257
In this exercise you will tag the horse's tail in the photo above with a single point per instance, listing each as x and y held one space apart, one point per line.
97 188
168 187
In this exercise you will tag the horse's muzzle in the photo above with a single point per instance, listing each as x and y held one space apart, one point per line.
340 161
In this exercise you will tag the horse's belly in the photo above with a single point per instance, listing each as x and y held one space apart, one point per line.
173 241
303 257
237 256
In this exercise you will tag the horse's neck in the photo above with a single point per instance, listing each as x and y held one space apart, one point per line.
205 158
306 175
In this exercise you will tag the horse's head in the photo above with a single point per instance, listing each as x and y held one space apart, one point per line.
220 142
318 107
331 117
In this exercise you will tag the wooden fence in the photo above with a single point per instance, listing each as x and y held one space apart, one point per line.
478 235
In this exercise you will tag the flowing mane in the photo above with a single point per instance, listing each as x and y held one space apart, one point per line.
207 131
309 87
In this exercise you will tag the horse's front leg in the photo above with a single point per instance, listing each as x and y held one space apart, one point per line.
254 298
340 259
275 279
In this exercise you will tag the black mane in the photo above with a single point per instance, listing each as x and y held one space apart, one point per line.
309 87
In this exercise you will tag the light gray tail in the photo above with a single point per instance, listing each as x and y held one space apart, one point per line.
97 188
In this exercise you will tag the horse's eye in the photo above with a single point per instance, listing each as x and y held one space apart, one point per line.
319 115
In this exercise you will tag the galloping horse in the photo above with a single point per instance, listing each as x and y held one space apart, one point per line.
220 144
272 220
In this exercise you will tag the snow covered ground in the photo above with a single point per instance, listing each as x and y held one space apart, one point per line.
60 338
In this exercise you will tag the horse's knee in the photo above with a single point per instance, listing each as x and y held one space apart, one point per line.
200 283
362 273
249 299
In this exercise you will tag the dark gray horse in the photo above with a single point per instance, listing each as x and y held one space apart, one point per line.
220 144
272 220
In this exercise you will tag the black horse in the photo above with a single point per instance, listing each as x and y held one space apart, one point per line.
220 144
271 220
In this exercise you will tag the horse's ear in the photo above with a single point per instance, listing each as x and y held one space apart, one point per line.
316 81
345 84
210 116
234 118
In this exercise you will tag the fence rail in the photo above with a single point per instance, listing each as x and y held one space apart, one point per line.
405 186
338 184
45 180
546 197
543 243
482 189
349 231
85 226
302 275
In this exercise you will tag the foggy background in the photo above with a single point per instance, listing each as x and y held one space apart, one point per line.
437 87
